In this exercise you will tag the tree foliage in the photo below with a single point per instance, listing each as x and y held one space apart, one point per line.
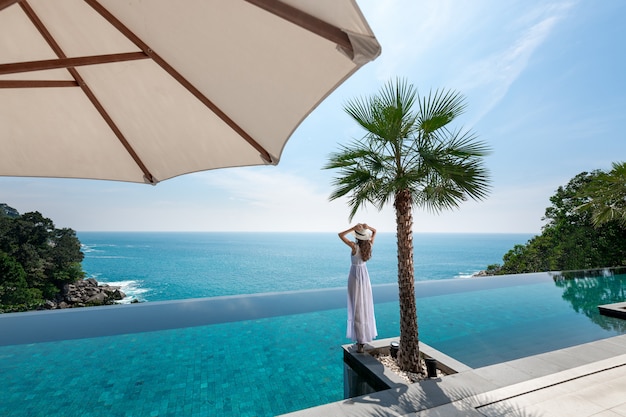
605 196
36 260
14 291
573 237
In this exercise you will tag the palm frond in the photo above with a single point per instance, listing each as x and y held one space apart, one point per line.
387 116
449 168
438 109
605 196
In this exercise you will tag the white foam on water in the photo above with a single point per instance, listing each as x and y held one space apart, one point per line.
87 249
131 288
465 275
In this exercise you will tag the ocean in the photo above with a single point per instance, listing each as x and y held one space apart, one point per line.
157 266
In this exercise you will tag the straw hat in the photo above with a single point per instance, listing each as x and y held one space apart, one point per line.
363 234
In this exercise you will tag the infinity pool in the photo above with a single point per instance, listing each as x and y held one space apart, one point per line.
274 353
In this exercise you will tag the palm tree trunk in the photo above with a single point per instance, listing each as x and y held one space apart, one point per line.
408 354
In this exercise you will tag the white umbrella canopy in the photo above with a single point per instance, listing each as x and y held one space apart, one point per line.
143 91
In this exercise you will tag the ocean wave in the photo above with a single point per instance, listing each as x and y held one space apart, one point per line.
131 288
87 249
466 274
96 247
110 257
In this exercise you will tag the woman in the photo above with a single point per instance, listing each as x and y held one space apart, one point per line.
361 321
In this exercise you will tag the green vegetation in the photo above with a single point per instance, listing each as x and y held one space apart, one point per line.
411 156
605 196
585 229
36 259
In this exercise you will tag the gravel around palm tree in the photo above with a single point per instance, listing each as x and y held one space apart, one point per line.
409 156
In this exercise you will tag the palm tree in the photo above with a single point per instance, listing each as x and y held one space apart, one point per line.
412 158
606 195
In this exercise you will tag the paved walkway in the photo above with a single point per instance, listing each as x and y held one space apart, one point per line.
580 381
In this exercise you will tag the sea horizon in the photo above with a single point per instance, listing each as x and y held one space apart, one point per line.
156 266
300 232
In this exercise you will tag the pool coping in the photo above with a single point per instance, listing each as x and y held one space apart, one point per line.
381 377
480 387
614 310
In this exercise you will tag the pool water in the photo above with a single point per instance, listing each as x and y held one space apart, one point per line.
274 365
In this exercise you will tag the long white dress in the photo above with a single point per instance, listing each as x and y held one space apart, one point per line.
361 320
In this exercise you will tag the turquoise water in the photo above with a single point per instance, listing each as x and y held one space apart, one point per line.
263 366
269 366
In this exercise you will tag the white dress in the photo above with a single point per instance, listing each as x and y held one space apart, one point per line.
361 320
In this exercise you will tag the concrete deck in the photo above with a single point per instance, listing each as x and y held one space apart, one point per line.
580 381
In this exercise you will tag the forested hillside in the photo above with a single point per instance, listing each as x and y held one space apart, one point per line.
36 259
585 228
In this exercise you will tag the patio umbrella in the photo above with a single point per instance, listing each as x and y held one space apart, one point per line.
143 91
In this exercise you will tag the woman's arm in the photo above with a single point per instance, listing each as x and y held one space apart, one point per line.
342 236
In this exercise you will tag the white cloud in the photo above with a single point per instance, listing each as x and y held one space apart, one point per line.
479 47
281 201
494 74
514 209
408 32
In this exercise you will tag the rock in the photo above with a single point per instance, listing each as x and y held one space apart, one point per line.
118 295
113 292
85 292
89 291
98 299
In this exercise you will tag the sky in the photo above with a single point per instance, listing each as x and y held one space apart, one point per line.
545 89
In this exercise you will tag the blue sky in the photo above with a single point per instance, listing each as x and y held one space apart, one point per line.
545 88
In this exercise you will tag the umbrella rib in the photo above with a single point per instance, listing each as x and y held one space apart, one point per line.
6 3
86 90
307 21
36 83
64 62
178 77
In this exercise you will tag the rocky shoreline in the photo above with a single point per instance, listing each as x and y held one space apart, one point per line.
84 293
